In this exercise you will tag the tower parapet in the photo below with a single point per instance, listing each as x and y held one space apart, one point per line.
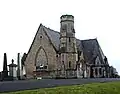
67 26
67 18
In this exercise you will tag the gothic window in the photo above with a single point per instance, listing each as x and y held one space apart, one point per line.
97 61
41 60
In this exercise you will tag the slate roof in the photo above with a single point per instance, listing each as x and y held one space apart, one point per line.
89 47
54 36
91 50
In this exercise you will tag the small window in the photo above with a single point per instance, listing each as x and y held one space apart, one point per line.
80 53
73 30
63 62
45 67
69 39
100 71
63 65
95 71
63 44
69 64
40 36
56 55
62 57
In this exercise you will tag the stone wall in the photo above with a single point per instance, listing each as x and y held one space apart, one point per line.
41 40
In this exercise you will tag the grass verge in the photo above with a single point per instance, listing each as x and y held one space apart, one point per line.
95 88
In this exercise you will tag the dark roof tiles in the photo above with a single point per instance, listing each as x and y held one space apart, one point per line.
54 36
89 47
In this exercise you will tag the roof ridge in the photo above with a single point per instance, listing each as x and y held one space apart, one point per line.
50 29
89 39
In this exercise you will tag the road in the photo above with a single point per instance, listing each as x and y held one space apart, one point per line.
9 86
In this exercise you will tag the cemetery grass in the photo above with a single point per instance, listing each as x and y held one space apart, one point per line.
94 88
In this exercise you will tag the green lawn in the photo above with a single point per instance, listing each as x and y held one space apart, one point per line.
95 88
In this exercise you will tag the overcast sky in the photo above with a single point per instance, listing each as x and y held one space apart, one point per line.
20 19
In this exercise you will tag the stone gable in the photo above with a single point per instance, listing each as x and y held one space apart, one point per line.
41 40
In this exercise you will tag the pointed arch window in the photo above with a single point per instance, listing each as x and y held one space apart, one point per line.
41 61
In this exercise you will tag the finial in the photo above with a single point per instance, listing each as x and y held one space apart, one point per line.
12 61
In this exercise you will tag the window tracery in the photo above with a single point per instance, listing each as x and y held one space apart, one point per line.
41 60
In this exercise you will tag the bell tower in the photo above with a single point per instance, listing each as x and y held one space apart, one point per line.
68 47
67 34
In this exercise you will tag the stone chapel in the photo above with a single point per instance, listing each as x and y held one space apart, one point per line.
55 54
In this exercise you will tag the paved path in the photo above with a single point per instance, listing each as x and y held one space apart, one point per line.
46 83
